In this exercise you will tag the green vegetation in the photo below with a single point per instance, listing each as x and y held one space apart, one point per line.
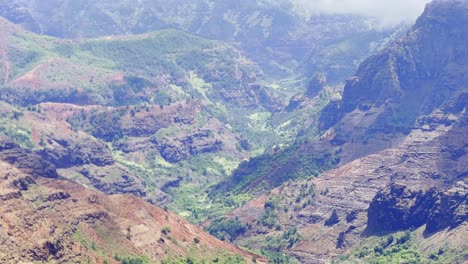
132 259
12 126
149 61
280 258
399 248
100 124
130 74
80 238
142 71
284 241
18 134
221 259
226 229
166 230
23 59
279 165
301 124
273 246
269 217
198 175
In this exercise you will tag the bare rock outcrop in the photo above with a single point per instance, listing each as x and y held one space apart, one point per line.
398 207
25 160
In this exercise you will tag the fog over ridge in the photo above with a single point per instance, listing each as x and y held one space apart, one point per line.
386 12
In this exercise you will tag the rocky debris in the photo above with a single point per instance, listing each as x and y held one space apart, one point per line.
69 152
330 115
398 207
401 134
25 160
110 124
208 147
252 96
133 145
110 179
141 127
351 216
310 218
180 148
171 184
247 98
183 120
76 155
428 63
113 179
10 196
172 154
244 144
417 175
340 243
46 252
23 184
92 217
58 196
147 123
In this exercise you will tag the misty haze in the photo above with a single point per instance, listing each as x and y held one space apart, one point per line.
233 131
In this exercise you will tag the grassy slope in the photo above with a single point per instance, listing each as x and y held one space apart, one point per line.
404 247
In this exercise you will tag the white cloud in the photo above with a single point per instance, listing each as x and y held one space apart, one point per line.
387 12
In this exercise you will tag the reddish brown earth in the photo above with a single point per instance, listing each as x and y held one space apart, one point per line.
47 219
422 164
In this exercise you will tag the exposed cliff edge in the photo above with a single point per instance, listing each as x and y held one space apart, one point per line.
398 207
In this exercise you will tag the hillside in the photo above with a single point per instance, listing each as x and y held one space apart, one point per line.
233 116
167 114
134 114
48 219
234 109
279 36
397 142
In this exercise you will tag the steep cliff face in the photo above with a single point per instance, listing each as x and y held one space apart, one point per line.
398 207
414 76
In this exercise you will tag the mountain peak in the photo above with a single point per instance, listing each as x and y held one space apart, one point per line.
454 12
427 64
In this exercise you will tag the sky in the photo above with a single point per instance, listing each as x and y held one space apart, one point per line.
387 12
